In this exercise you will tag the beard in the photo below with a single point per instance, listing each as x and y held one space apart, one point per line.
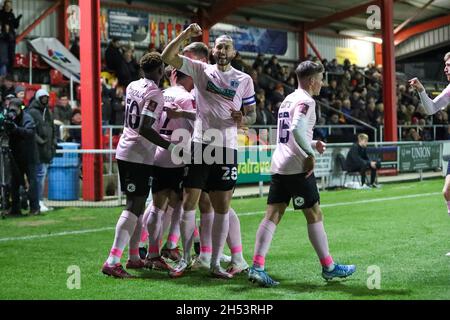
222 61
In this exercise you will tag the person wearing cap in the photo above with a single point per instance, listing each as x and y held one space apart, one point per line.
45 138
21 131
20 92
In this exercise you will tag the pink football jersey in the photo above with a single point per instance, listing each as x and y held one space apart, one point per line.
217 93
180 97
141 95
288 157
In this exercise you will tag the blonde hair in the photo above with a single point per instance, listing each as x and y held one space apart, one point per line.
447 56
363 136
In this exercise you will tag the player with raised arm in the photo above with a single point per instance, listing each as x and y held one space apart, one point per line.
433 106
293 177
135 157
221 91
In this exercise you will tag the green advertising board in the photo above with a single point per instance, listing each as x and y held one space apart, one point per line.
253 166
419 157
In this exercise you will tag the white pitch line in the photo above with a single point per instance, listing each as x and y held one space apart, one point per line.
65 233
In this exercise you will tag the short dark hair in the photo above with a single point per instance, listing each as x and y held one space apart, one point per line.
198 48
151 61
307 69
181 75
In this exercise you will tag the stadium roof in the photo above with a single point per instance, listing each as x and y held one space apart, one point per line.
288 14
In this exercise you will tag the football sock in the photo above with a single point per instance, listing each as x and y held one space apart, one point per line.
221 224
133 247
144 232
319 241
166 220
206 224
154 231
124 229
234 238
187 227
196 234
264 237
174 231
448 207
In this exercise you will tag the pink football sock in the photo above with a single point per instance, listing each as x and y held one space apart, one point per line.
221 224
174 231
234 238
187 231
264 237
133 247
124 229
319 241
154 231
206 224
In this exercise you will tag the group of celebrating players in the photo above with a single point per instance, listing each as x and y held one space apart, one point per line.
182 144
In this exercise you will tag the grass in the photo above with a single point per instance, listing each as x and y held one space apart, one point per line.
406 238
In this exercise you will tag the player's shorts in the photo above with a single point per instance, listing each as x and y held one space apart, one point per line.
302 190
168 178
209 175
135 178
448 168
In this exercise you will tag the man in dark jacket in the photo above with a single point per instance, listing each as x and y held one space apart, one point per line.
8 18
358 161
21 131
45 138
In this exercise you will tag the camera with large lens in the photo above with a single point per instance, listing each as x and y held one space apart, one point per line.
8 115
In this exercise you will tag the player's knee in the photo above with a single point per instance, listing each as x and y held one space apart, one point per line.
446 193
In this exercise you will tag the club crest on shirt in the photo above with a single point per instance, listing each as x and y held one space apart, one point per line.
303 108
234 83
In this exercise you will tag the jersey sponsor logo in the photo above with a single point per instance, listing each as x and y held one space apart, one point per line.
303 108
131 187
299 201
152 105
227 94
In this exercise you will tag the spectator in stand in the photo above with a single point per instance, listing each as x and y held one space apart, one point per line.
9 21
254 75
8 87
238 63
107 94
62 113
113 55
259 61
118 108
45 138
128 68
276 71
75 134
372 113
5 39
263 115
402 116
20 92
347 110
277 95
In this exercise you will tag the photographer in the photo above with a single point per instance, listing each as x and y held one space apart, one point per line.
20 128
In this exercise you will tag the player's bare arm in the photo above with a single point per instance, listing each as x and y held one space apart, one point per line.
249 117
177 113
146 130
170 54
